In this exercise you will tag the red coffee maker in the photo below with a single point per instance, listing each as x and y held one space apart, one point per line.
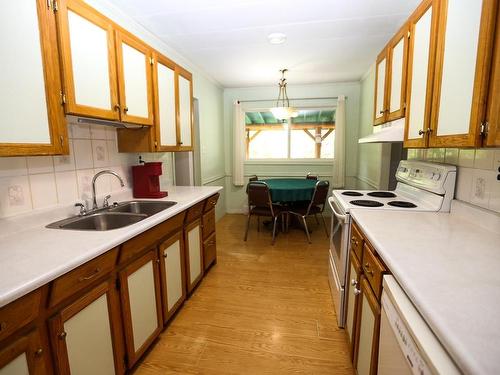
146 178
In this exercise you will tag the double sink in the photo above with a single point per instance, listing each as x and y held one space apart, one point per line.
113 217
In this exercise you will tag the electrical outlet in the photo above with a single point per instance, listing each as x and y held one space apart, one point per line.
496 165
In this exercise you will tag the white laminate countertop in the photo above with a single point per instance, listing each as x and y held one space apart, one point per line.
449 266
32 255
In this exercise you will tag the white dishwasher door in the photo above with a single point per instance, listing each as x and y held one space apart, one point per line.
407 345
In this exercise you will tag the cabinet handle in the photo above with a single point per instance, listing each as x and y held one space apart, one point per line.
368 270
356 291
157 261
91 276
125 109
381 112
165 255
117 107
62 335
354 282
38 352
421 132
354 241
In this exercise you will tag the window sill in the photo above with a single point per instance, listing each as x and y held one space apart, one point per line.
289 162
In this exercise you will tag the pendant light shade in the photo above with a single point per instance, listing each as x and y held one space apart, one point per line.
283 111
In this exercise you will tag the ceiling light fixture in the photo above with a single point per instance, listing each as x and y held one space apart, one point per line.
283 111
276 38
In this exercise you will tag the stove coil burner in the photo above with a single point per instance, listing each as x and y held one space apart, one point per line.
402 204
382 194
352 193
366 203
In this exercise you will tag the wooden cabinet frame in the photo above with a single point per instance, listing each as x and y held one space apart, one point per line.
52 76
492 138
414 18
382 119
31 345
357 266
122 36
484 53
96 18
181 72
166 313
56 326
133 355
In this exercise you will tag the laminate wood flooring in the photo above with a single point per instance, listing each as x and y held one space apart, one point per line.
261 309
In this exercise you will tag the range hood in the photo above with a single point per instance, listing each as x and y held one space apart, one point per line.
78 120
390 132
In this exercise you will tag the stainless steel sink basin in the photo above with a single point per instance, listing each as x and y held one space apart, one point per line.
99 221
142 207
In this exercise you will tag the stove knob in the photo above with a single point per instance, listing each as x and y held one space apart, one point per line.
436 176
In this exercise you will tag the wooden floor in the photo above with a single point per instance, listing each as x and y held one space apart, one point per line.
261 310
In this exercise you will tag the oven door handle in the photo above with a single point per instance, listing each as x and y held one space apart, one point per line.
335 212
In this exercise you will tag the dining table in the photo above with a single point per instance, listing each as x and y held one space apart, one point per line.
289 190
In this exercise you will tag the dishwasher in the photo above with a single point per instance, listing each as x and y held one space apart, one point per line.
407 345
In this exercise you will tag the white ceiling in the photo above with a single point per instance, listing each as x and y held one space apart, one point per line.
327 40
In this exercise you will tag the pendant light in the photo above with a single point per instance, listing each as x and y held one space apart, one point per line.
283 111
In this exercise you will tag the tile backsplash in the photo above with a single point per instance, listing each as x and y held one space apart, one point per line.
28 183
478 175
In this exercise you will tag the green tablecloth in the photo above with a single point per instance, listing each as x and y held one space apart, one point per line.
290 189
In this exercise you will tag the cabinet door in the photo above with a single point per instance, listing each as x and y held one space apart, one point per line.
165 104
86 334
30 84
25 355
194 255
88 59
185 109
141 304
380 108
493 108
352 302
398 58
367 331
134 79
172 274
421 58
465 36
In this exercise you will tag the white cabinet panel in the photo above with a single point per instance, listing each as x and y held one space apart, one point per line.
185 111
135 81
88 340
90 64
397 64
22 84
379 99
351 299
173 272
366 329
194 246
166 106
463 21
141 289
419 72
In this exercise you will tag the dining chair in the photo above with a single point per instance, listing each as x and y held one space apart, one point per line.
310 176
253 178
260 204
313 208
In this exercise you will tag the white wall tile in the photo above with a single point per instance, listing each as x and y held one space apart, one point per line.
481 187
40 164
83 153
13 166
100 153
484 159
15 195
98 132
463 185
113 155
65 162
67 189
451 156
466 158
84 181
43 190
110 133
79 131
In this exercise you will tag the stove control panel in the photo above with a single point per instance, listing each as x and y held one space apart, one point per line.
424 175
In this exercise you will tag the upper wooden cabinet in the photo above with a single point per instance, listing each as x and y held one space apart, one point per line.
88 60
30 87
134 60
464 45
185 109
493 107
421 56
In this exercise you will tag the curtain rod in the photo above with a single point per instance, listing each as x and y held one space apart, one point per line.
273 100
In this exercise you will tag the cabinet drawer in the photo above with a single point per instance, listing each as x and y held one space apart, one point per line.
209 251
145 240
208 223
356 241
194 212
19 313
211 202
373 270
83 276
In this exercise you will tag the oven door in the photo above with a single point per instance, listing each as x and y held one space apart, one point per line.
339 250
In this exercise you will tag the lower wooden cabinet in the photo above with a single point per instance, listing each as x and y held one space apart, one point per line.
85 335
25 355
141 304
209 251
354 278
367 332
173 277
194 254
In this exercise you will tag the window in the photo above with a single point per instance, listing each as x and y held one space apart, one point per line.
310 135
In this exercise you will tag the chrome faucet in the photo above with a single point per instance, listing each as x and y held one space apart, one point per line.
107 171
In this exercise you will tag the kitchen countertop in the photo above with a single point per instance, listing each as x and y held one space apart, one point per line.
449 266
32 255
